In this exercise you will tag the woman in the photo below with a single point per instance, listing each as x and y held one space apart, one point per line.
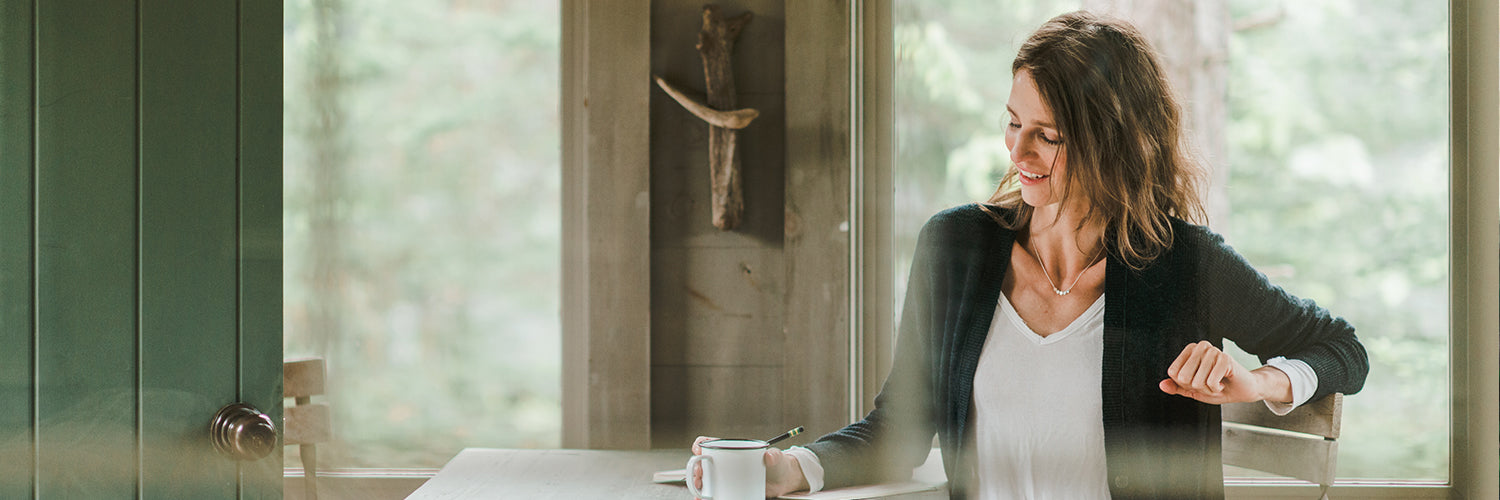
1063 339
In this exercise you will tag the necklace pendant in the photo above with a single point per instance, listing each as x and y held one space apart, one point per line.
1062 292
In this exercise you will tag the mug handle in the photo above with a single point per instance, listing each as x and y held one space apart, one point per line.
692 489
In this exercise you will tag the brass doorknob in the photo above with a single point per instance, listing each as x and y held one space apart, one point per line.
242 432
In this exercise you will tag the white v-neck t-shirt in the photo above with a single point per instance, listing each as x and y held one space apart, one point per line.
1038 410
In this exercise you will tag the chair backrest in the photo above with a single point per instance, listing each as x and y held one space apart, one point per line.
1302 444
306 423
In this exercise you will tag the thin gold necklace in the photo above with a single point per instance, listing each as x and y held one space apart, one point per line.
1048 275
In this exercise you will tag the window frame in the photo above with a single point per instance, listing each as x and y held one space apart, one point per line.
1474 223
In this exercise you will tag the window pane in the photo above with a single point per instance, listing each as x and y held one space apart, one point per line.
422 223
1336 150
1338 153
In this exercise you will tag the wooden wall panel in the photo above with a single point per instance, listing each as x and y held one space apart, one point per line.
17 210
817 247
606 225
722 306
86 241
722 401
680 187
717 297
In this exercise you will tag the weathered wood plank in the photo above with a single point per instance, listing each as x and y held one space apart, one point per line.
716 306
817 245
680 185
722 401
606 225
555 474
875 283
303 377
1321 417
308 424
1303 457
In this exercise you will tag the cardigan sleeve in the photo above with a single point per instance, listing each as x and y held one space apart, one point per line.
896 436
1242 305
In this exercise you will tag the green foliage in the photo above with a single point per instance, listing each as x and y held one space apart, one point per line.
442 266
1337 144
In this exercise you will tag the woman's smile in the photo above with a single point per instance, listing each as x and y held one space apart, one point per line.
1029 178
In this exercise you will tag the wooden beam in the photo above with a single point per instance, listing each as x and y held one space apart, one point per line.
816 244
606 224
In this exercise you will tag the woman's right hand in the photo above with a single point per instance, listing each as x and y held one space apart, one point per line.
783 473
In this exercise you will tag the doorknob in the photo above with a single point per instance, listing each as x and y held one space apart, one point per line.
242 432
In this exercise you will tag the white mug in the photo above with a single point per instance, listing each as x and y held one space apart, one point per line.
733 469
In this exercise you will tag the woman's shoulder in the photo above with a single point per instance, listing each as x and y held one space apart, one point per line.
970 216
1199 242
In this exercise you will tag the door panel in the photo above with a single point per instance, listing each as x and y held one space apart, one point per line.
140 233
188 269
86 294
259 96
16 187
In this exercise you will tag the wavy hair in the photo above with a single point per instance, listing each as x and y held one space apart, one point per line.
1127 154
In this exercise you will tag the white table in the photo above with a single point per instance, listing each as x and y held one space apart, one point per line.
574 474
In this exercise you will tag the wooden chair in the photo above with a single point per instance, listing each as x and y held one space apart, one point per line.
1302 444
306 423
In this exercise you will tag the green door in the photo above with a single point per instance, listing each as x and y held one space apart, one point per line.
140 244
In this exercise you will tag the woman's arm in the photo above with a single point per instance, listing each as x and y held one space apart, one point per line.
896 436
1240 304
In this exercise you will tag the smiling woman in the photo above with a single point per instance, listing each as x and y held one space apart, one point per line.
1320 164
422 223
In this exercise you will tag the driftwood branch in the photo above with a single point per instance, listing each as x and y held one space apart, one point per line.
715 44
736 119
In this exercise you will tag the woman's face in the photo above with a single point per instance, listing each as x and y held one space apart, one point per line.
1036 148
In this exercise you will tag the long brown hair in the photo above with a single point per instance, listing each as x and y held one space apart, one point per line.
1115 109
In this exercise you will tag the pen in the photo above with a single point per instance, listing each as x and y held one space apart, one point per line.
785 435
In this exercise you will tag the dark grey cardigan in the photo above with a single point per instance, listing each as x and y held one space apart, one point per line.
1156 445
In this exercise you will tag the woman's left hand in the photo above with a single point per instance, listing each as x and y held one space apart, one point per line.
1207 374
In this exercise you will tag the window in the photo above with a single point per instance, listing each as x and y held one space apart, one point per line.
1333 174
422 223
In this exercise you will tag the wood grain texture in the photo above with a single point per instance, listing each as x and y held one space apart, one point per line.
86 287
570 474
555 474
308 424
875 283
717 306
304 377
816 232
716 296
716 47
17 212
606 225
1307 458
722 401
680 184
1322 417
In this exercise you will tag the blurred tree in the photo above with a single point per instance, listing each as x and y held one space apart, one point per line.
422 222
